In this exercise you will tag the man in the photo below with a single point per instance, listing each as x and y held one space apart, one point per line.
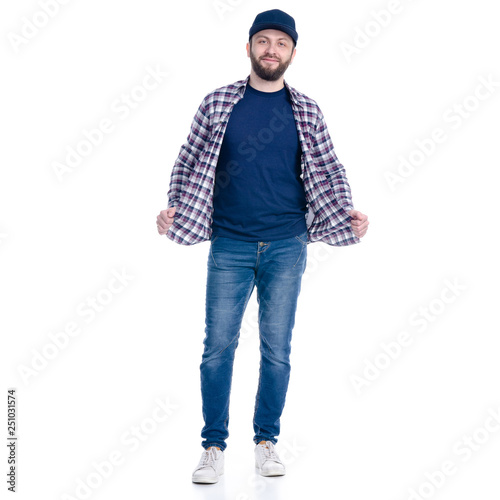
259 178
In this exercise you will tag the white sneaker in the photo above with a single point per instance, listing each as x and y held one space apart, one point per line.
267 460
211 466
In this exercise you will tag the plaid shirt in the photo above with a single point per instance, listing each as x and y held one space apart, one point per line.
327 191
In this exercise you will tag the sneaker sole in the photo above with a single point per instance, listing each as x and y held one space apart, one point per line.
270 473
206 479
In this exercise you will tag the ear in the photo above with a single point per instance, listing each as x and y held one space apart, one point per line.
293 55
248 49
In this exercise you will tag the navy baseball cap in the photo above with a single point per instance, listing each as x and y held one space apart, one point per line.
275 20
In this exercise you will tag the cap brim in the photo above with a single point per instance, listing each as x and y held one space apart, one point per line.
274 26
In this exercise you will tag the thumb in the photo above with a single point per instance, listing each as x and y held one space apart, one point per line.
171 211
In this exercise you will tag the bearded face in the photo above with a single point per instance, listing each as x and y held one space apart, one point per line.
270 62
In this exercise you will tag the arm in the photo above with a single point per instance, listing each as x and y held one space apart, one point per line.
326 159
184 165
188 155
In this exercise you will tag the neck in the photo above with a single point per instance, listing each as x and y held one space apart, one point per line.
264 85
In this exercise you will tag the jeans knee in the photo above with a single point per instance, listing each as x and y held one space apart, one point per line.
219 354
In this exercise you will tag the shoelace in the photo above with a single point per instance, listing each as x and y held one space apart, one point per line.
209 456
269 452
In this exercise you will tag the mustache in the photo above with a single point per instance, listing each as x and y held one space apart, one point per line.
269 57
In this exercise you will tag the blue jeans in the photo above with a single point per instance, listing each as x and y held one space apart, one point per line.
234 267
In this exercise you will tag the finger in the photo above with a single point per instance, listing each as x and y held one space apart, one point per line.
359 232
162 220
358 223
163 226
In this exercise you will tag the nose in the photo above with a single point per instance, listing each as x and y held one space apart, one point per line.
271 53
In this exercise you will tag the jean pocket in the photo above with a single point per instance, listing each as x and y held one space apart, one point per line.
213 238
303 238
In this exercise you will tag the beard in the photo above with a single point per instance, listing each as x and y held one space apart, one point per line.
267 73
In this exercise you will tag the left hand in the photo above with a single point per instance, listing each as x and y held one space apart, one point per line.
359 223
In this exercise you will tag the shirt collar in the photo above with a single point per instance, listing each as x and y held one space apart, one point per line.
294 95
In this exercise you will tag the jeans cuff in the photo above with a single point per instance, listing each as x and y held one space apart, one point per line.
258 439
222 446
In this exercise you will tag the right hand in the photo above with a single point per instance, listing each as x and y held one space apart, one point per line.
164 220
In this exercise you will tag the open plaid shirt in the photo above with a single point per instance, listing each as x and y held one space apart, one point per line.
327 191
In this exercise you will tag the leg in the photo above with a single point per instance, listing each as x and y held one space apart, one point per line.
278 281
230 282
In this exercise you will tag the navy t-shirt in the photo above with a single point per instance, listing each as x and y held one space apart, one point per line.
258 192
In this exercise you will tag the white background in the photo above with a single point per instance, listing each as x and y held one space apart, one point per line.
61 240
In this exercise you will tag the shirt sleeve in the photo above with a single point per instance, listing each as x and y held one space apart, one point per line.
326 160
189 154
